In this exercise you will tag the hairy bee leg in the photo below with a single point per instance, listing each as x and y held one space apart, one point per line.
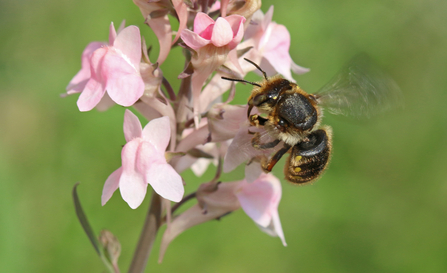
256 142
256 120
268 166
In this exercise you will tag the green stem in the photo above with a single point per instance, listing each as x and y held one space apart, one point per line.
147 237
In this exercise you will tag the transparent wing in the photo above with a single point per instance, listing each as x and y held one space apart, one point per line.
360 89
241 148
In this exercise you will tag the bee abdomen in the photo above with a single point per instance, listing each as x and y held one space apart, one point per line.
309 158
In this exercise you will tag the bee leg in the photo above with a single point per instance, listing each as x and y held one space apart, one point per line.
256 120
268 166
256 142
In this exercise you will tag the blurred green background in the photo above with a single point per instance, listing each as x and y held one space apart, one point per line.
381 206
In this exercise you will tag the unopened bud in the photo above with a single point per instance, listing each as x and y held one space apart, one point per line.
111 246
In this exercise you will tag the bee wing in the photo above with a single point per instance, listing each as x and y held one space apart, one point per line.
360 89
242 150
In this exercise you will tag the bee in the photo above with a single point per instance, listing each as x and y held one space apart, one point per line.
293 117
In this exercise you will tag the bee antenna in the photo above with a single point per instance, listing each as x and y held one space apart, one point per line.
241 80
258 67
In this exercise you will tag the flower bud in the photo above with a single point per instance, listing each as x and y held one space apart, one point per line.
111 246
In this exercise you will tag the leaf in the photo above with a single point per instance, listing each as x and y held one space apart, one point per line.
88 229
84 222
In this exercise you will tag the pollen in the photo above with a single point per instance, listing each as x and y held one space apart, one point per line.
298 158
297 169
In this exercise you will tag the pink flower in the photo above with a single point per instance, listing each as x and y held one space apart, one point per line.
155 14
77 84
226 31
213 41
271 43
144 162
114 67
259 200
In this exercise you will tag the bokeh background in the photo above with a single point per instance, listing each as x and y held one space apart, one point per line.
381 206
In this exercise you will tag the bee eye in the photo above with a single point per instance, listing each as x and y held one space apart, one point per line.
282 122
259 99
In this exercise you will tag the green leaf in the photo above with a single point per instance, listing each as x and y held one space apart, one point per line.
89 231
84 222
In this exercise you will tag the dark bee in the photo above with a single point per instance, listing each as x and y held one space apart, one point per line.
308 159
293 117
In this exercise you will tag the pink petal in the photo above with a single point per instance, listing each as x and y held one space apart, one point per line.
193 40
252 171
201 22
146 156
207 33
235 21
278 228
165 181
267 18
111 186
81 78
121 27
162 29
197 81
133 189
132 185
299 69
124 84
238 34
92 94
164 110
222 33
132 126
129 155
255 200
254 30
158 133
276 51
212 91
148 112
112 34
105 103
182 13
95 87
216 6
129 42
268 68
232 57
260 201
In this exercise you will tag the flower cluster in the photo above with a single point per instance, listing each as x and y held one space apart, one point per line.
190 127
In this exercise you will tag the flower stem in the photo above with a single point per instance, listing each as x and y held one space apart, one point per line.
184 200
147 237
